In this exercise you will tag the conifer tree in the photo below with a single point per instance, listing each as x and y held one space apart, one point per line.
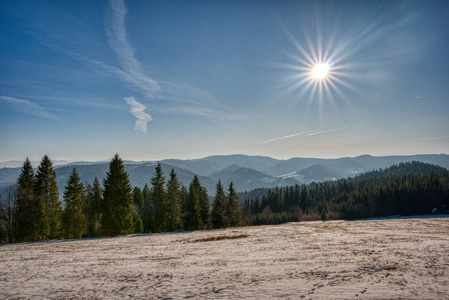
87 211
118 199
138 210
148 217
219 215
303 198
203 200
48 206
138 200
94 209
233 209
174 198
159 195
74 220
146 192
193 220
26 209
205 207
138 225
184 194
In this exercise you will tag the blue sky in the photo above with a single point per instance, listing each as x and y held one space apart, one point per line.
83 80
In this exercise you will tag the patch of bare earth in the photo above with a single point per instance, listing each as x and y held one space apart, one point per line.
378 259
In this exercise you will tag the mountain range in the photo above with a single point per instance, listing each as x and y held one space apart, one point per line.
246 172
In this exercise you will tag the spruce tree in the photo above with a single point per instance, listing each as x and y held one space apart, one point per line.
48 207
138 225
117 217
205 207
148 217
193 220
174 198
219 215
87 211
159 195
233 209
138 210
74 220
26 210
138 201
146 192
203 200
94 209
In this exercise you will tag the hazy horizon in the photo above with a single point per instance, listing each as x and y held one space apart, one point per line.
81 81
59 162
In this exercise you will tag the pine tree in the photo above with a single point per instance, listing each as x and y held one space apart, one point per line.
138 200
138 225
159 194
193 220
174 198
203 200
26 209
118 199
87 211
219 215
233 209
74 220
94 209
205 207
48 207
146 192
148 217
138 210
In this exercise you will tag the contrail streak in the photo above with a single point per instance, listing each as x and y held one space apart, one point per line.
290 136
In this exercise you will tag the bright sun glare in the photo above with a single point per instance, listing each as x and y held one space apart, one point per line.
320 71
318 68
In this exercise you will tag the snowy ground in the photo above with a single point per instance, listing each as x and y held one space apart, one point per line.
375 259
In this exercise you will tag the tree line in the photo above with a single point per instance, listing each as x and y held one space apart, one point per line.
33 211
411 188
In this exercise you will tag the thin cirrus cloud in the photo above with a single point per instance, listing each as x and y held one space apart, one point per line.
309 133
289 136
27 107
138 110
325 131
118 41
178 96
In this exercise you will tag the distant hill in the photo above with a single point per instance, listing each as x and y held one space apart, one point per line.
247 172
406 168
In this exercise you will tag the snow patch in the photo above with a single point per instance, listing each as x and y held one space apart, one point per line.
268 179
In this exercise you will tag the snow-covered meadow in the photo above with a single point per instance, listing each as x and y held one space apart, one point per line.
372 259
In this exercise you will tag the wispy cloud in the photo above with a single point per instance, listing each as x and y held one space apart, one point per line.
118 41
174 96
138 110
308 133
27 107
290 136
325 131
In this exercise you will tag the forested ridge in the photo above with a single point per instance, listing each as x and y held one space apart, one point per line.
32 211
405 189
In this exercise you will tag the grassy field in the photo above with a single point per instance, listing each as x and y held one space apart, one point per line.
372 259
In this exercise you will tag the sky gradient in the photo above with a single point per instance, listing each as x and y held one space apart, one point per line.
150 80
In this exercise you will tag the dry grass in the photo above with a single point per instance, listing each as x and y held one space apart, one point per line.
376 259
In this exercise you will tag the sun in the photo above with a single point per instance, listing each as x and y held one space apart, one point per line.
320 71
